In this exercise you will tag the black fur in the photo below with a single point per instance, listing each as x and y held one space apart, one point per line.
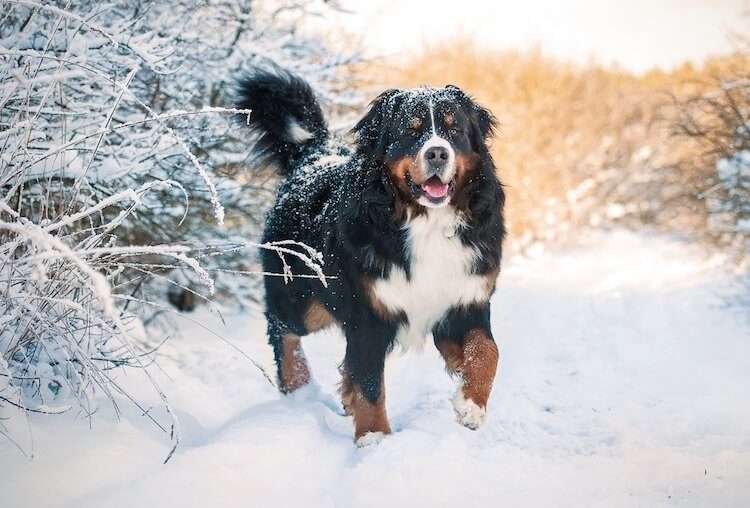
343 202
276 98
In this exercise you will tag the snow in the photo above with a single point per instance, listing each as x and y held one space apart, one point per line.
623 381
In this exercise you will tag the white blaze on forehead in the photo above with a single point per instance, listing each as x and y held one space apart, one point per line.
432 117
435 141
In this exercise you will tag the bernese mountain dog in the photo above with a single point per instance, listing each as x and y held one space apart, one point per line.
409 221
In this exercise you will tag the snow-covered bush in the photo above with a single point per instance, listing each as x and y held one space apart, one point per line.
121 175
719 122
734 177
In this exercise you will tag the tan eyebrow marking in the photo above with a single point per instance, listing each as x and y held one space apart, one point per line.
416 123
448 120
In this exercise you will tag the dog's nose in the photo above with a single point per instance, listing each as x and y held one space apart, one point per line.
436 155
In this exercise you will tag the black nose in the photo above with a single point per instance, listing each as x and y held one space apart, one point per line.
436 155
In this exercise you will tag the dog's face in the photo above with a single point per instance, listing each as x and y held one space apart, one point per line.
428 141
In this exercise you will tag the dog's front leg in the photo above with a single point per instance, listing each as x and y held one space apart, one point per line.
362 386
465 341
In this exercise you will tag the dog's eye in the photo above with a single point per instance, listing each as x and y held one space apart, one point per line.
412 133
453 131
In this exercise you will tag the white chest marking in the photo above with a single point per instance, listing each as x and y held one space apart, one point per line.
440 276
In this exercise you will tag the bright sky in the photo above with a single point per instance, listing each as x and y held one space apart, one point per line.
638 34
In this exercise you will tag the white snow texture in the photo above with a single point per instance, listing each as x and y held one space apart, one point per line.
622 382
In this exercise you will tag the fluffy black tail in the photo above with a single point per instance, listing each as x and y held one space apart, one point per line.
285 116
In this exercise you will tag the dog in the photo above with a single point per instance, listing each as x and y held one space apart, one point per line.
409 221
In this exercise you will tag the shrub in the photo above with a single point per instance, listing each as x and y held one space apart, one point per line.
121 176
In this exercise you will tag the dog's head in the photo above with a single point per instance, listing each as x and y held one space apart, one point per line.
429 142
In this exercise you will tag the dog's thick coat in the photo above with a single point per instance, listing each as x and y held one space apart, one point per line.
410 225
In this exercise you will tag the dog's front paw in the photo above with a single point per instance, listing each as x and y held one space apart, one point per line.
369 438
468 413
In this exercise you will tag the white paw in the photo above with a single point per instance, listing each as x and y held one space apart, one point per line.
468 413
369 438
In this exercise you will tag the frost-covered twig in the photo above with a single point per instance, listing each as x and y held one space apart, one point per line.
65 14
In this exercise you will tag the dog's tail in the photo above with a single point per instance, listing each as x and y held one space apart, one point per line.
285 116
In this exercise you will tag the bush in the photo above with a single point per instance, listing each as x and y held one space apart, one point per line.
718 123
121 176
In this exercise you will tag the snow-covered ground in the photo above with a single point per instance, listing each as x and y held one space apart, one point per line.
623 380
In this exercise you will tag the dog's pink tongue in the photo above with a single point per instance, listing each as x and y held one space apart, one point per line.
435 188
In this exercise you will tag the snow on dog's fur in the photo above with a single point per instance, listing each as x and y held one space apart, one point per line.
409 223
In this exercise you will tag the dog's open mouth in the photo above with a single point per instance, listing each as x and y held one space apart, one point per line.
433 189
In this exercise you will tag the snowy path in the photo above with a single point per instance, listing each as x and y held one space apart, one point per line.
623 380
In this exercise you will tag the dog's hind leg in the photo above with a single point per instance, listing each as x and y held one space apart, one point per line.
292 371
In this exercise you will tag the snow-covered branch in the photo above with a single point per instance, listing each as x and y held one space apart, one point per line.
123 176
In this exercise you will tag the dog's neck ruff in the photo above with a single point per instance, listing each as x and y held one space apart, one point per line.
440 275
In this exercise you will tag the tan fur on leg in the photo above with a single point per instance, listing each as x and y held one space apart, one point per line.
476 362
370 420
293 370
480 357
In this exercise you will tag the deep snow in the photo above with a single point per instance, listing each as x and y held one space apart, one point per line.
623 380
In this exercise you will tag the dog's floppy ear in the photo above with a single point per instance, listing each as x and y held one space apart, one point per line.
373 128
483 121
486 121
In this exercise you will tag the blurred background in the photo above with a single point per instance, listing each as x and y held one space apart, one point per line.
611 113
637 36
